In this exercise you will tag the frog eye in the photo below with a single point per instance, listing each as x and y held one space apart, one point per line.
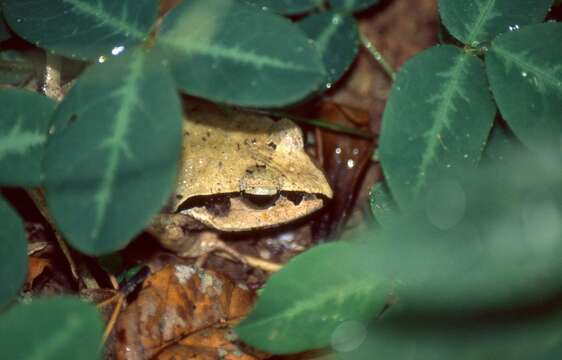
259 201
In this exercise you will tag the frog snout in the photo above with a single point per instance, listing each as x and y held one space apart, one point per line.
258 190
258 181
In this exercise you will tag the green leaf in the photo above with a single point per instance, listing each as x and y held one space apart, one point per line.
24 123
348 6
242 55
436 120
287 7
112 160
57 328
478 21
15 67
13 253
336 38
488 242
317 292
501 145
523 337
84 29
487 286
495 249
525 73
383 206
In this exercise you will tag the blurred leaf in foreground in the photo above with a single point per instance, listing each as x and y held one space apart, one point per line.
13 253
58 328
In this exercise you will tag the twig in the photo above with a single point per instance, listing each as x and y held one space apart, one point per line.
52 82
79 273
255 262
113 319
262 264
370 47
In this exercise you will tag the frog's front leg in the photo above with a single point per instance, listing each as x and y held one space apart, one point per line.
205 243
186 237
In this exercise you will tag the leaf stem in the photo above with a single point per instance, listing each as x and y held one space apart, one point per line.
324 125
370 47
113 319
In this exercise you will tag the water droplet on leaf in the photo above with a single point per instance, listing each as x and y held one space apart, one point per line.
117 50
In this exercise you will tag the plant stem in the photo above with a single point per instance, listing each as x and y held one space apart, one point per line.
370 47
113 319
324 125
52 83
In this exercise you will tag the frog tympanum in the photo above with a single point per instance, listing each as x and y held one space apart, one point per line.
238 172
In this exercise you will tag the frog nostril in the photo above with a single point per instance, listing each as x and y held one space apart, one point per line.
259 201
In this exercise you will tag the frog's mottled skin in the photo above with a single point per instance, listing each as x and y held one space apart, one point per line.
231 154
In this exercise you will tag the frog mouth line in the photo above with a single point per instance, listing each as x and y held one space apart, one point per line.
235 212
220 203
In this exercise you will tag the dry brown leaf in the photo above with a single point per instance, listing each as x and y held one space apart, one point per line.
398 29
345 159
208 344
175 304
36 266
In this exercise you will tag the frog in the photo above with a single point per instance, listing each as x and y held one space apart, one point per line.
239 171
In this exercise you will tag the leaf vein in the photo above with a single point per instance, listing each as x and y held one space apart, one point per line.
234 54
486 14
104 17
528 66
445 105
117 144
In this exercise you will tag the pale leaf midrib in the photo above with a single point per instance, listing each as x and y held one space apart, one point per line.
481 21
117 143
529 67
232 54
106 18
321 298
441 123
17 141
326 35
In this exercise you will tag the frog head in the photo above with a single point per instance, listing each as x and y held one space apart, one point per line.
241 171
